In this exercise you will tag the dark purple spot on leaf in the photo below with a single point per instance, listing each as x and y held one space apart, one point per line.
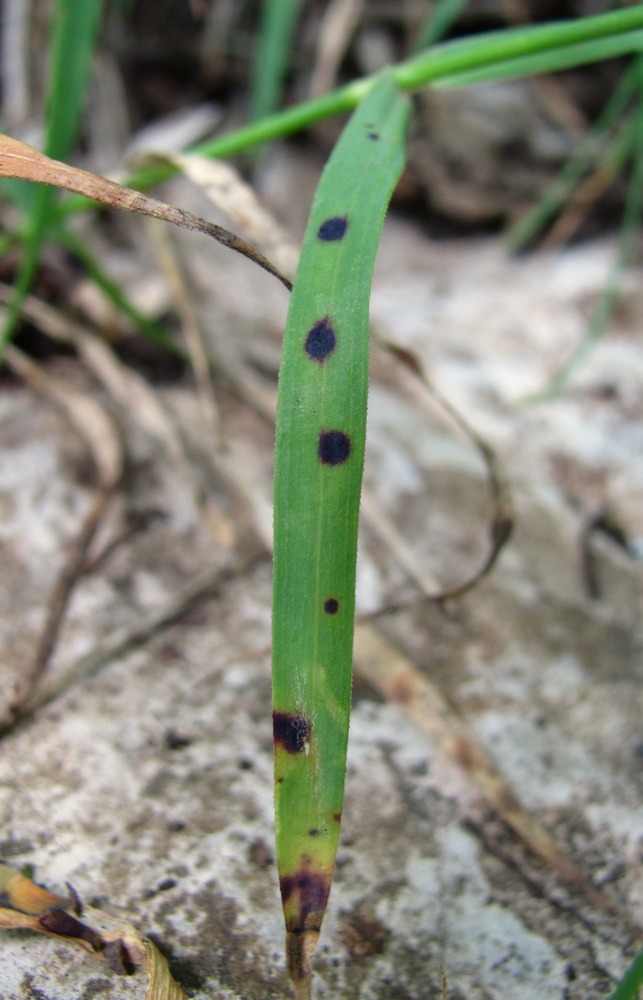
290 731
333 229
334 447
331 606
321 340
373 136
314 832
312 890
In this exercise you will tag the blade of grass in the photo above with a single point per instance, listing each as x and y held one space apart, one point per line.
484 52
632 215
111 289
74 34
630 986
556 59
277 25
321 425
587 155
438 23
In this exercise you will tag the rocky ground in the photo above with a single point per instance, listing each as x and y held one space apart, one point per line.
147 783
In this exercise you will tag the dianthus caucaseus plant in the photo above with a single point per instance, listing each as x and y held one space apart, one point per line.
321 419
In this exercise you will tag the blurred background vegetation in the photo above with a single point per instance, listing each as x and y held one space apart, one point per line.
99 87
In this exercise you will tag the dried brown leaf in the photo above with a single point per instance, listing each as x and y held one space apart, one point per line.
19 160
126 952
226 189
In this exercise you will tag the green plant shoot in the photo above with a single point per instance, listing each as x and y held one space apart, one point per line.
321 428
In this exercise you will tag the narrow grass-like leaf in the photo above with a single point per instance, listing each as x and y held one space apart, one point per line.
587 155
278 19
488 54
630 227
439 21
321 425
75 31
631 985
552 61
74 34
114 293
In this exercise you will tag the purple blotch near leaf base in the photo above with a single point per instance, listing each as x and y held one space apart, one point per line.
291 732
334 447
321 340
312 889
331 606
333 229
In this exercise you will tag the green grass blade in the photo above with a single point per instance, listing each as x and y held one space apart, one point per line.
487 52
631 984
439 22
490 52
278 20
551 61
587 156
75 30
111 289
630 228
74 34
321 426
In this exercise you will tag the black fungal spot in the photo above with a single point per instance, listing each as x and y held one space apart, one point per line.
373 136
331 606
290 731
314 832
334 447
321 340
333 229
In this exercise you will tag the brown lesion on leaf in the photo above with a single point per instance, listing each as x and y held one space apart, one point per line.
118 958
305 894
61 923
290 731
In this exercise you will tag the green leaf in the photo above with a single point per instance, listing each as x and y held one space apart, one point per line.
321 426
278 20
491 56
74 35
630 986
